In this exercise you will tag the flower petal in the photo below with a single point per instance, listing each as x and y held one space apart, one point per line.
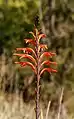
28 50
42 47
50 54
50 70
23 64
32 34
26 56
41 36
47 62
31 41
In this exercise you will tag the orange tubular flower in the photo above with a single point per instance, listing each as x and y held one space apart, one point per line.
26 56
47 54
30 41
47 62
27 50
32 34
42 47
50 70
23 64
41 36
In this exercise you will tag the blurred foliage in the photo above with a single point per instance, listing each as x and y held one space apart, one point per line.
15 22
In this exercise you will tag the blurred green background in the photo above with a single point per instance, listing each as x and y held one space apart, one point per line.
56 19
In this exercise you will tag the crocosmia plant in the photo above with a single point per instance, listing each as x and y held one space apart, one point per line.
36 60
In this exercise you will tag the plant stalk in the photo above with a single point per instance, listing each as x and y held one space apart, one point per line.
38 85
37 99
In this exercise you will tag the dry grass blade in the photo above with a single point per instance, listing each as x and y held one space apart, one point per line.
41 114
48 107
60 103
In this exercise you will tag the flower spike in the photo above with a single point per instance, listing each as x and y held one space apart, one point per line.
37 62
